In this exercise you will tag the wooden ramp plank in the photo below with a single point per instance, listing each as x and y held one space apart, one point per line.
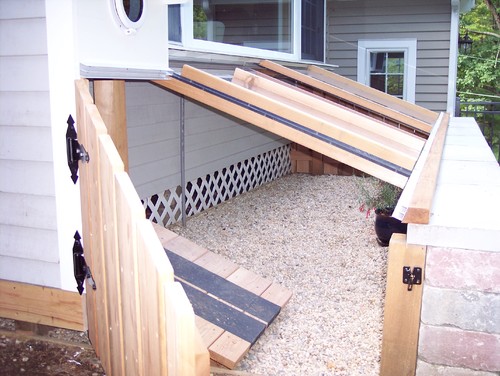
352 140
327 110
217 264
228 350
225 347
223 289
223 315
425 116
250 281
365 164
351 97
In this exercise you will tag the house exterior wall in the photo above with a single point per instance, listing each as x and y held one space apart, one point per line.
213 140
426 20
28 224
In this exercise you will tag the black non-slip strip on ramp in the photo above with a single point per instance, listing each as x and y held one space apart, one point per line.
292 124
224 316
223 289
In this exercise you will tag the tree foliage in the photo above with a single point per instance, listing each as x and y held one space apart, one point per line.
479 71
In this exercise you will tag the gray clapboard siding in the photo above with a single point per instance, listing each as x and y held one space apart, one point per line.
28 228
426 20
15 112
213 140
26 143
15 41
23 177
13 239
31 271
28 211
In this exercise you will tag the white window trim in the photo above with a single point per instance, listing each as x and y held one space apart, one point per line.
189 43
408 46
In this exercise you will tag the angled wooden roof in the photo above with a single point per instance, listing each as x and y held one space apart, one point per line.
356 138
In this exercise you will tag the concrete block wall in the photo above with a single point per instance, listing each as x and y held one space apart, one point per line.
460 320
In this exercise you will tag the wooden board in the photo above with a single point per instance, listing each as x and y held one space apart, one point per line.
41 305
109 163
419 208
223 315
110 100
363 132
401 309
230 336
223 289
407 111
351 97
326 110
246 114
350 136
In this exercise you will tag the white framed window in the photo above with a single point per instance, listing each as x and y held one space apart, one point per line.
389 65
264 28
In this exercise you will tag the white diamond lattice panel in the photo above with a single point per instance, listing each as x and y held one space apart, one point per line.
202 193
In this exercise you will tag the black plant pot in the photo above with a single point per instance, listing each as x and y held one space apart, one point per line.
385 226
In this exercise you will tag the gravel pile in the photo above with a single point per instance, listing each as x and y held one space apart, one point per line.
307 233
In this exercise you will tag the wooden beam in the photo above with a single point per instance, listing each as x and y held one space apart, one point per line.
401 310
368 142
283 130
420 205
377 96
110 101
331 112
41 305
347 96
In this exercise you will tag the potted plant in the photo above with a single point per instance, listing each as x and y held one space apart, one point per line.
381 197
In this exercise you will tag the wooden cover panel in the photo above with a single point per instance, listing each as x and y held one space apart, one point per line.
389 160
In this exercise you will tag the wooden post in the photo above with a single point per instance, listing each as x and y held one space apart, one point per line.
110 100
402 310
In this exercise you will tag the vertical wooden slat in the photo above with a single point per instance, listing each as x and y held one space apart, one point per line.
110 164
180 332
159 273
402 310
110 100
90 126
129 211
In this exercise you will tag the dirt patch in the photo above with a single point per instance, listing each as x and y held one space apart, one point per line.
39 350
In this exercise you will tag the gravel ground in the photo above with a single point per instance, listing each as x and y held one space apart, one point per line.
307 233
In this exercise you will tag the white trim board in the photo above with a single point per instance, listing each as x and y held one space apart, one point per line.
408 46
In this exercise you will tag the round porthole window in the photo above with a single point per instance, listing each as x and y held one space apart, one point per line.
129 14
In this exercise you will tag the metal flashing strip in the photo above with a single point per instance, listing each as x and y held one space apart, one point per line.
118 73
329 140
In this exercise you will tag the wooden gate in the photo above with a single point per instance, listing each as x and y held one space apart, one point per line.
140 321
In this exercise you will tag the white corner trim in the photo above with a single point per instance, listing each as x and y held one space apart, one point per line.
453 60
407 45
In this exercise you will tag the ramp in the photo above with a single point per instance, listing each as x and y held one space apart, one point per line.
360 97
355 138
233 306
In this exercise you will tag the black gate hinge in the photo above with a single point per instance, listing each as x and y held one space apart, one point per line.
80 268
74 150
412 276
